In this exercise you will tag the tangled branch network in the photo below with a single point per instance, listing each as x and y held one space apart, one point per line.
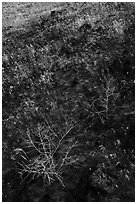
47 154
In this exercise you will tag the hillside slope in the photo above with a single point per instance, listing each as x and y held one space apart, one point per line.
68 102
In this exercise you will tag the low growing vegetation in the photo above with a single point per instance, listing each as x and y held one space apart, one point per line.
68 106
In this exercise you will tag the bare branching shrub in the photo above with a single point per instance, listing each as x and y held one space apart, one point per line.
52 154
104 105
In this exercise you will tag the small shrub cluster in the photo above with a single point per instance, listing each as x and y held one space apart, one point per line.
52 155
